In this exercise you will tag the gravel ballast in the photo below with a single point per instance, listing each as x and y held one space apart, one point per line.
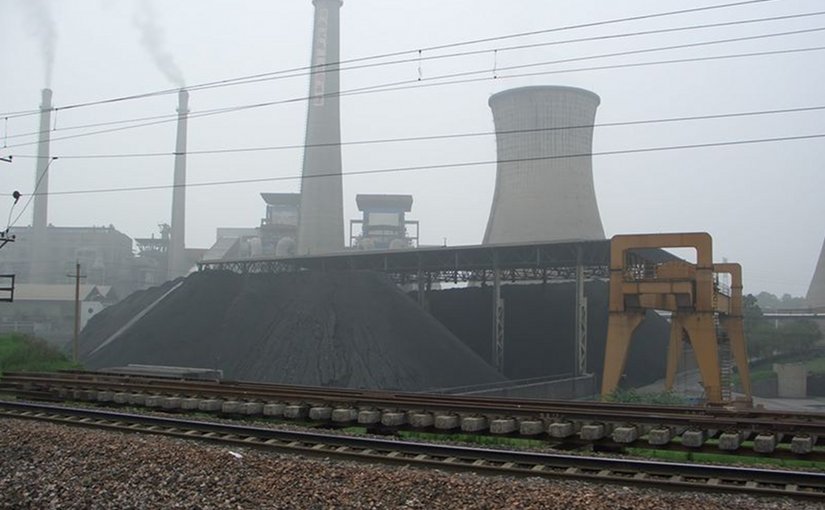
52 466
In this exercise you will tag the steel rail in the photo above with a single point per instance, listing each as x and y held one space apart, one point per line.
691 417
662 475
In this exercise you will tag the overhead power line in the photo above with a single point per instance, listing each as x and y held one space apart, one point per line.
449 55
478 52
35 193
328 65
423 58
441 136
443 166
489 76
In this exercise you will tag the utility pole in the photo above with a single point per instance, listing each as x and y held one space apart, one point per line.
77 276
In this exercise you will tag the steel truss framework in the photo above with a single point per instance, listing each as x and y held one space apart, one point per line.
494 265
540 262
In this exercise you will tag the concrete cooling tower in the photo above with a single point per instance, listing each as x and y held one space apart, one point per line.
321 223
816 292
544 182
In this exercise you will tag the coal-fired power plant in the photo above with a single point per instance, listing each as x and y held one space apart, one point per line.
40 215
816 291
544 182
321 223
177 265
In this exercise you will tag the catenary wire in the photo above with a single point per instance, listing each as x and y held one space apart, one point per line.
406 52
433 81
495 51
469 53
31 197
439 137
466 53
465 164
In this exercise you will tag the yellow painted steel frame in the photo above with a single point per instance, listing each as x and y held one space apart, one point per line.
688 294
732 322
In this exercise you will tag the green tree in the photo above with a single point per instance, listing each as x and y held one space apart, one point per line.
766 338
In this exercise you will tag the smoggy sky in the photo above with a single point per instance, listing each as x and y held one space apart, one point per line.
762 202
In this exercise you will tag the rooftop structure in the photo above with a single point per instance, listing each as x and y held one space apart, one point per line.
383 224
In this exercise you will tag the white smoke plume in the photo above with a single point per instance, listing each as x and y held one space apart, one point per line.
41 26
152 38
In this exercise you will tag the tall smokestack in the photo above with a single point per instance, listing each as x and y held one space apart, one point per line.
41 178
321 224
40 215
816 292
177 246
540 195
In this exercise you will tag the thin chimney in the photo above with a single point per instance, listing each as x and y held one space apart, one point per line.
177 249
321 222
41 178
40 220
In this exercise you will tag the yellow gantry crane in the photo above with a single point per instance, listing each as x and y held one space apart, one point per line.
702 313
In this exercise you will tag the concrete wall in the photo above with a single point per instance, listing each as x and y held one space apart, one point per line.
541 193
792 380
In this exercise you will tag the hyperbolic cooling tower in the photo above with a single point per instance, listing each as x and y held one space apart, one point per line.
321 224
177 238
541 194
40 219
816 292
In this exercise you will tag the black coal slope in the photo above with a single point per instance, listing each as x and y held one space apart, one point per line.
329 329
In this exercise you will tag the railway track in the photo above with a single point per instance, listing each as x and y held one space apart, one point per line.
662 475
693 428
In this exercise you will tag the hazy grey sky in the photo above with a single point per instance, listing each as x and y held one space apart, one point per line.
762 202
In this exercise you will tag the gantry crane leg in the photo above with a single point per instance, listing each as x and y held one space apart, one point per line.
701 331
620 330
674 350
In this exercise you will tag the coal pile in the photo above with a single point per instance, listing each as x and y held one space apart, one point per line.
539 328
351 329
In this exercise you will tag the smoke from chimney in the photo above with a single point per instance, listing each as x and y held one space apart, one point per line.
41 26
153 39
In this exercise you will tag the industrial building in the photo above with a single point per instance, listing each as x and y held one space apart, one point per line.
384 225
104 253
47 310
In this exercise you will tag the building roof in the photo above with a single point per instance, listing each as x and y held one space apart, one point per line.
394 202
59 292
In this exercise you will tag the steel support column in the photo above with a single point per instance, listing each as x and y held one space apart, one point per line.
580 353
497 356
